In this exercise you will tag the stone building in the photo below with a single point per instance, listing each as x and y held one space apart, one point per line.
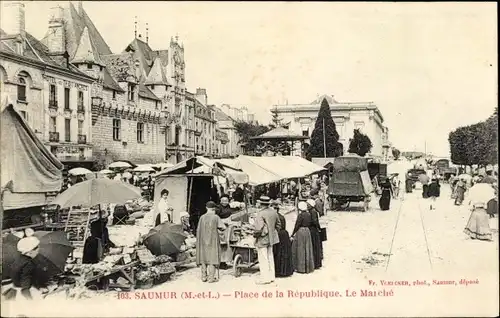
226 124
204 124
137 95
237 113
347 116
50 92
221 143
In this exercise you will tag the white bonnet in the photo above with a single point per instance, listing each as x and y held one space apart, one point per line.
311 202
27 244
302 206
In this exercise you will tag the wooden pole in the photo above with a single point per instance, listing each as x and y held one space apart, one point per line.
190 181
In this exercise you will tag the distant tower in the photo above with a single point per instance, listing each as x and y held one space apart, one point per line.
147 32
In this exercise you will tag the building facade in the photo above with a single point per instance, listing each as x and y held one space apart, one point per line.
52 94
238 113
226 124
347 117
138 95
204 124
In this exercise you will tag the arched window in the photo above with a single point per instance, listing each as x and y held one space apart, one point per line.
21 88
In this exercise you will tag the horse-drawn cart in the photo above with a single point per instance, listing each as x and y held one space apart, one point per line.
350 182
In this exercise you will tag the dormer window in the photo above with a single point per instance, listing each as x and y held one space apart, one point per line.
153 86
89 66
131 92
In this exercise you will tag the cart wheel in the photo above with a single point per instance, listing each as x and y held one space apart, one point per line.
236 266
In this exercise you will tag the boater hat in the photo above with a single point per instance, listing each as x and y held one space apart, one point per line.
264 200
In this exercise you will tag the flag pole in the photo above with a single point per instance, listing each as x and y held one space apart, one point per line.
324 140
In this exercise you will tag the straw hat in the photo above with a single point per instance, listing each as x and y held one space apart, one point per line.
264 200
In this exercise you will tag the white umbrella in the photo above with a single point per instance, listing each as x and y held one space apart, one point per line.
481 193
106 171
79 171
120 164
143 168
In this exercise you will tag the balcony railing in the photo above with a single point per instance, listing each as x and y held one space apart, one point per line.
80 108
82 139
53 104
53 136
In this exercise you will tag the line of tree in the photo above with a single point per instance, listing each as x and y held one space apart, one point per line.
324 138
475 144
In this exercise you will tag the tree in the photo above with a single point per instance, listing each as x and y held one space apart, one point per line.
475 144
360 143
246 131
324 134
396 153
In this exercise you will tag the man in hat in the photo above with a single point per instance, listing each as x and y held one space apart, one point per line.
266 236
208 253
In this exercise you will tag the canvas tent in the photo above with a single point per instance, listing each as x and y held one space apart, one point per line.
28 170
262 170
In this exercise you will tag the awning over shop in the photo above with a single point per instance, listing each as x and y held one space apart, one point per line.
27 166
201 164
262 170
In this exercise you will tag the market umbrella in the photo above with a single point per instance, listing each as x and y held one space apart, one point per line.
143 168
120 164
106 171
79 171
54 249
481 193
165 239
97 191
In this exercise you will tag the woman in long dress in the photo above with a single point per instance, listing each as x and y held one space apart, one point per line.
283 259
408 183
302 250
315 234
385 198
478 226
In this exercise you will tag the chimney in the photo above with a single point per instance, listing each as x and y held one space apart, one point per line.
201 94
56 40
13 20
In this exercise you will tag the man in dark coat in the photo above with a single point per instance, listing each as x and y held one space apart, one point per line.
208 252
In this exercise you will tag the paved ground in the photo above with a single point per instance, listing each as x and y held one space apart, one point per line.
426 245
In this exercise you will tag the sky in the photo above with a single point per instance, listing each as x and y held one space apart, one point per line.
429 67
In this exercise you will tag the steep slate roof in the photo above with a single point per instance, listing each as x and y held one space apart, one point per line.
157 74
87 51
146 92
37 51
143 53
109 81
221 116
